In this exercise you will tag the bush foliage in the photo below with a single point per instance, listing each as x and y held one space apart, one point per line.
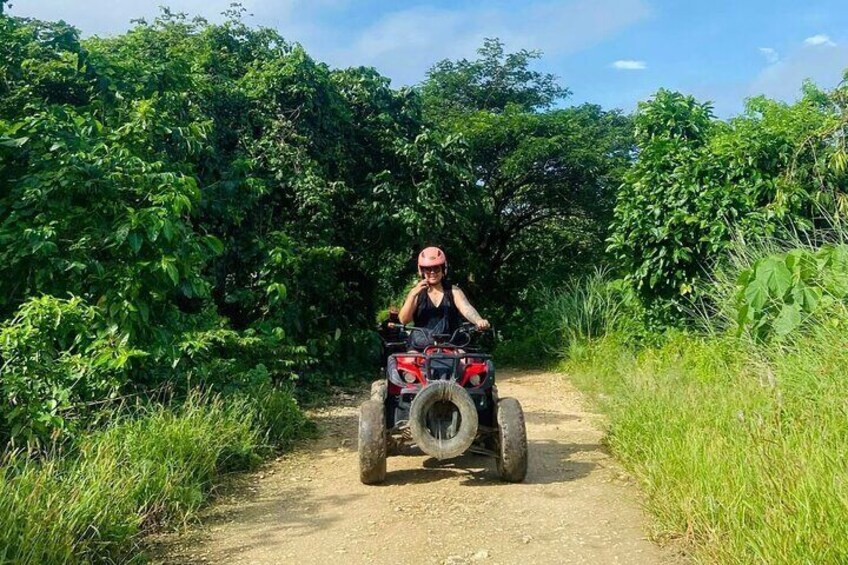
778 293
699 183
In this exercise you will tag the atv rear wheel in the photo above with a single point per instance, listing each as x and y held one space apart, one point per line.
372 442
512 441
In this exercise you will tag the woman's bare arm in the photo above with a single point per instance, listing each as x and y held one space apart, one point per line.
467 310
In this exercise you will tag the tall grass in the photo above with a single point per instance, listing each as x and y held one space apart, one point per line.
584 308
566 317
740 446
149 469
741 452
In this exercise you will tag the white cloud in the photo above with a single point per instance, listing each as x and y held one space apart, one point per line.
783 80
405 43
820 39
629 65
401 41
770 54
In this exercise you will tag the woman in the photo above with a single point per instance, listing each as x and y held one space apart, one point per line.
434 303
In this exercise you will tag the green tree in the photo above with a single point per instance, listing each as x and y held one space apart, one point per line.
542 180
226 205
492 82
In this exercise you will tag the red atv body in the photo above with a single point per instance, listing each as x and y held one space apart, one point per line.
438 395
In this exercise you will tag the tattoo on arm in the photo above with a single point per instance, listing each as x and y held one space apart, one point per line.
465 308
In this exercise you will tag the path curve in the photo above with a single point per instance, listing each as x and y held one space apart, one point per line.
576 506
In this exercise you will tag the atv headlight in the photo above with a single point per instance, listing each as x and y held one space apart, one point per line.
394 376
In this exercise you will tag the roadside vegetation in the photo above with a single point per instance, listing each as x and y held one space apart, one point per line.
719 352
199 224
152 467
739 449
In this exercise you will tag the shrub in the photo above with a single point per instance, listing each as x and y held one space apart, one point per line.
57 356
780 292
699 183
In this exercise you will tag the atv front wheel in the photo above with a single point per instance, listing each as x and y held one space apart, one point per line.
372 442
379 390
512 441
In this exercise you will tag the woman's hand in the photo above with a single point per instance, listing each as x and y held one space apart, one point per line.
408 307
418 287
483 324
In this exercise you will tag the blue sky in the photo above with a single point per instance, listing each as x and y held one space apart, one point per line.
613 52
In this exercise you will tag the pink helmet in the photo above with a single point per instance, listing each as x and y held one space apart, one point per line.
432 257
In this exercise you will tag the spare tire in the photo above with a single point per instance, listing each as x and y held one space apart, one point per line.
437 397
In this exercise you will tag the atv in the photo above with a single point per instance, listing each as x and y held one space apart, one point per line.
438 395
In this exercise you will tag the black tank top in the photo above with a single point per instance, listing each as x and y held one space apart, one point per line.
441 319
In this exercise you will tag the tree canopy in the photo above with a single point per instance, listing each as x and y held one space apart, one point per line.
699 183
542 180
216 206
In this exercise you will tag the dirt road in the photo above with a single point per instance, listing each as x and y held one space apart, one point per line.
576 505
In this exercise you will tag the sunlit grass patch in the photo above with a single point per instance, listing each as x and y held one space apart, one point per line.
740 449
151 468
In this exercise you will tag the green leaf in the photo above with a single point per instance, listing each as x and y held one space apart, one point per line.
756 294
276 292
8 142
773 273
744 315
144 311
812 297
214 244
806 297
170 269
168 230
173 273
135 240
787 320
802 265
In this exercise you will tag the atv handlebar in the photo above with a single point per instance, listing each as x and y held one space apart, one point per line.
466 327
